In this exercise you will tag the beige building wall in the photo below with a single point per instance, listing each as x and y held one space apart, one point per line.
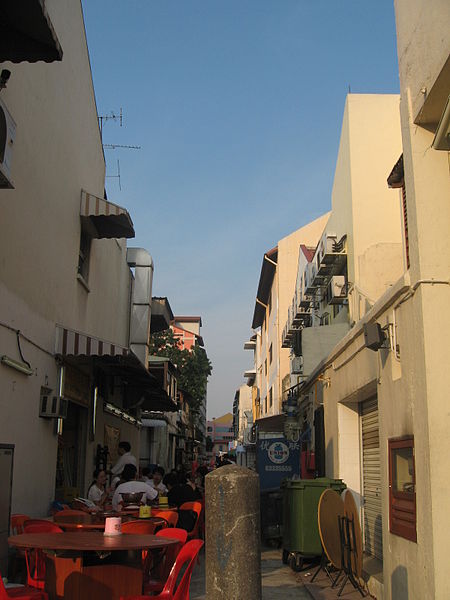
245 404
424 53
363 207
409 378
57 153
288 252
282 290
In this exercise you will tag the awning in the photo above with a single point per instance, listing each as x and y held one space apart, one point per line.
274 423
142 388
103 219
154 423
266 277
397 175
26 32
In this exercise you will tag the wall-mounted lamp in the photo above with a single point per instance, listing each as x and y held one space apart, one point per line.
442 136
18 365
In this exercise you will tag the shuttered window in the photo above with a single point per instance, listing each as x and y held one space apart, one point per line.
373 538
405 223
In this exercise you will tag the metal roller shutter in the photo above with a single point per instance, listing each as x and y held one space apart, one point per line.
373 539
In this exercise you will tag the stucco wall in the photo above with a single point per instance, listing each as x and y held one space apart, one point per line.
288 253
57 153
423 47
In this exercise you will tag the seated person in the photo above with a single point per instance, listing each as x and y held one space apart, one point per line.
98 492
194 483
132 486
178 490
156 482
146 475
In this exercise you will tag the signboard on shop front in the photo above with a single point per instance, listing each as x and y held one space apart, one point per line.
276 459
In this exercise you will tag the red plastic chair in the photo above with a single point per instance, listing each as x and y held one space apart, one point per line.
171 516
186 556
149 526
162 569
40 526
35 558
23 592
70 511
17 522
197 508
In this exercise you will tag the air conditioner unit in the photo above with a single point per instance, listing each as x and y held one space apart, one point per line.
52 407
337 290
7 137
297 365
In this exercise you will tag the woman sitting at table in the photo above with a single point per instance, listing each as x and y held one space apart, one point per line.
131 486
98 493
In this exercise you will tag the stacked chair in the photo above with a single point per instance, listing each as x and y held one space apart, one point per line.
35 559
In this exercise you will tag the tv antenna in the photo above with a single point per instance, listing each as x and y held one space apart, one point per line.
114 146
116 176
111 117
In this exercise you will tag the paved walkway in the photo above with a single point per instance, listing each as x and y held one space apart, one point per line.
278 581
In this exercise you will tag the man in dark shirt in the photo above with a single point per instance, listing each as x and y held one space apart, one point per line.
179 493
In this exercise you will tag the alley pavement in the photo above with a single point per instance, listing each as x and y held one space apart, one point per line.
279 582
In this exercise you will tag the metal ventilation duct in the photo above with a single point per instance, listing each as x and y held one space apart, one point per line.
141 301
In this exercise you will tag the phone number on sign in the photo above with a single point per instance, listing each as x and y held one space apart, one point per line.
278 468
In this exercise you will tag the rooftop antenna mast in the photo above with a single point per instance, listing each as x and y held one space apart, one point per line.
110 117
114 117
114 146
116 176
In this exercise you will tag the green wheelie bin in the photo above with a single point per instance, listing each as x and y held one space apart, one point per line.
301 538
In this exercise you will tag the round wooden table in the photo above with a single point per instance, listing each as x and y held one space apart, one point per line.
331 507
351 511
91 565
93 522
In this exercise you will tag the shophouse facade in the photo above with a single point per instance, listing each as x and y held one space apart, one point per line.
276 285
171 439
382 387
74 317
243 426
360 251
220 430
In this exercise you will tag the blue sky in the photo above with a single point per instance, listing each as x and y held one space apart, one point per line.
237 105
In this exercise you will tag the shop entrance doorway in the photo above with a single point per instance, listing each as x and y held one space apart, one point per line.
71 456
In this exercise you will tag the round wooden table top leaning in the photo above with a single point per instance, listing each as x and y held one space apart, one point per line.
331 506
351 511
89 541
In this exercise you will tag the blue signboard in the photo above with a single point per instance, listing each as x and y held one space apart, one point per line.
276 458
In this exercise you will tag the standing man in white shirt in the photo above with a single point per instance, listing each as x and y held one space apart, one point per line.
125 458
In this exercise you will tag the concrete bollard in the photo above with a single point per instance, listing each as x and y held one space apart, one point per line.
233 541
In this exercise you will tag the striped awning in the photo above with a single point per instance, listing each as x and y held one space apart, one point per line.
74 343
143 390
103 219
26 32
